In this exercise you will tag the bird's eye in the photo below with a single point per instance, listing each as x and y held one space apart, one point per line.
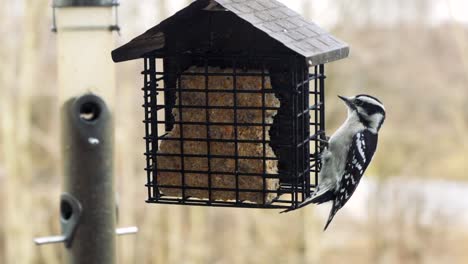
358 102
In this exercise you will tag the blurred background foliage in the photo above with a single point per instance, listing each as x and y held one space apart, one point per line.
411 209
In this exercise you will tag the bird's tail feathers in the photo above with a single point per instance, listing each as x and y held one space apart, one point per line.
288 210
322 196
304 203
317 198
333 211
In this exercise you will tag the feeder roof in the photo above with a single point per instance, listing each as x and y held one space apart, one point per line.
269 16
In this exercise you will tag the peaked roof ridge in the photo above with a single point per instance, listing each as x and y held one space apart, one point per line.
270 16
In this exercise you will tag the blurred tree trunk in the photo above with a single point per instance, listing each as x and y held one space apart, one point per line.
17 128
7 76
459 35
127 170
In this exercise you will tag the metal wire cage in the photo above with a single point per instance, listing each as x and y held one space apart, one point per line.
234 103
232 131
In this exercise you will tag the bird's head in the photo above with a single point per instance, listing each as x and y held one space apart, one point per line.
369 110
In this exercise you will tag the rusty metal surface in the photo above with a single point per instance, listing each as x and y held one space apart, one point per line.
270 16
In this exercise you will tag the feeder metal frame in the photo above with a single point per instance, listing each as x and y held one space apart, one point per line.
256 38
86 3
296 182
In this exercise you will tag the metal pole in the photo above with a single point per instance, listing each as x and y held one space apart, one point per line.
87 91
87 141
87 87
84 40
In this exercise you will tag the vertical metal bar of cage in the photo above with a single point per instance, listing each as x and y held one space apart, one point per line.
303 127
236 145
149 138
316 122
154 123
263 132
295 181
307 161
208 134
305 132
322 101
181 129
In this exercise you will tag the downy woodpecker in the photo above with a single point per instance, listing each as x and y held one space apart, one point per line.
350 150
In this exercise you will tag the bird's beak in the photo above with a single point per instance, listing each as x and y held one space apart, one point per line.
347 101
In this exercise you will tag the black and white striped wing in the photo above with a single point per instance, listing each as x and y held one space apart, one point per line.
359 157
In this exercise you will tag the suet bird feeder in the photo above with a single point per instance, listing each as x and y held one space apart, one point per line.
234 103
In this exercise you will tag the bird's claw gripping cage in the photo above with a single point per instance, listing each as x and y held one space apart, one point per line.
234 100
